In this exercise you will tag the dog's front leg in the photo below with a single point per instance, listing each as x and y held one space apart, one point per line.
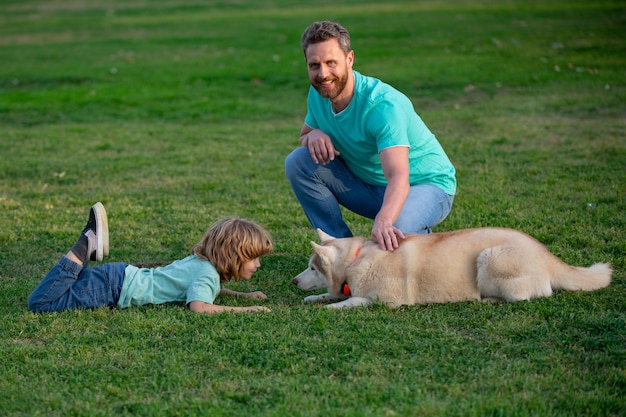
320 298
351 302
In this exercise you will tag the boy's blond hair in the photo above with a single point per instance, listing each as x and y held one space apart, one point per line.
230 242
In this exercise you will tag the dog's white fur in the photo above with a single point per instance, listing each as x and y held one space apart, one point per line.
470 264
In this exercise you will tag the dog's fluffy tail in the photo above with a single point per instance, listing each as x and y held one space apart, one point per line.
575 278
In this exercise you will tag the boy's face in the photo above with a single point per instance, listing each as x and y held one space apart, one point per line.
249 268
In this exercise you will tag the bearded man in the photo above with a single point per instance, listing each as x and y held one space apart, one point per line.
363 147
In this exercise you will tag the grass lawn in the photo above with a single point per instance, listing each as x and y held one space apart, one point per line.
176 113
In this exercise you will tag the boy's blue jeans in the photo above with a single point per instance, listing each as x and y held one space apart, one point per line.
69 285
322 189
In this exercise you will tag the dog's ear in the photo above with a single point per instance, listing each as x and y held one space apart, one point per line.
323 236
326 253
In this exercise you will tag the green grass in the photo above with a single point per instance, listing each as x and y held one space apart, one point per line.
174 114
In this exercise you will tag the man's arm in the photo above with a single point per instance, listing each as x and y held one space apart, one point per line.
395 164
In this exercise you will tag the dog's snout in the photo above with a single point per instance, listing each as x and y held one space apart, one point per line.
294 281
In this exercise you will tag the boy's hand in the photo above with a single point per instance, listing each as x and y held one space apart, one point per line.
254 309
256 294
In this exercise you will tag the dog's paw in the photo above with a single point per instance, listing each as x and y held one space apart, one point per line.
314 298
351 302
335 306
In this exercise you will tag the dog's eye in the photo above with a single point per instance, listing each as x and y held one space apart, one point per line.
312 268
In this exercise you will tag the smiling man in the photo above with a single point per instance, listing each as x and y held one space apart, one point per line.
364 147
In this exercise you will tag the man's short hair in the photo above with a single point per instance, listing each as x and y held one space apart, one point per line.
323 31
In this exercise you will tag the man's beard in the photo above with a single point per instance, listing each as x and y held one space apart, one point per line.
338 87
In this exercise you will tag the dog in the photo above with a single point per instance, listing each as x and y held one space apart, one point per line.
494 264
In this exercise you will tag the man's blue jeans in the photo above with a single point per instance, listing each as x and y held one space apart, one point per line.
322 189
69 285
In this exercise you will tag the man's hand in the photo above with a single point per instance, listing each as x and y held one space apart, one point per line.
386 235
320 147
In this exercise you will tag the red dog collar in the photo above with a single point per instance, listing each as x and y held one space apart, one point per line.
345 289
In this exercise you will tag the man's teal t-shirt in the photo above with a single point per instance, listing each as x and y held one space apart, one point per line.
189 279
379 117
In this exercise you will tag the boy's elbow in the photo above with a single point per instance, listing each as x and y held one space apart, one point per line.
201 307
194 306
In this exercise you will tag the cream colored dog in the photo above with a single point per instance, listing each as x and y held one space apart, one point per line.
471 264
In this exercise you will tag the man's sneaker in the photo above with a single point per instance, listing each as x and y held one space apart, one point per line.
93 243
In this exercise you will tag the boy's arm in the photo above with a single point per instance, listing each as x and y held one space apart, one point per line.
202 307
254 294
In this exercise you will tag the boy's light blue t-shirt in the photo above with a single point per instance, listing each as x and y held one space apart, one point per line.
189 279
380 117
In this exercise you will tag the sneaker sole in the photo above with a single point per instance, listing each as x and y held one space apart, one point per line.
102 231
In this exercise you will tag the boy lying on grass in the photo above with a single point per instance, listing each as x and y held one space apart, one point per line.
230 248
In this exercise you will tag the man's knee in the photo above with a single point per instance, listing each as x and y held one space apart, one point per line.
426 207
